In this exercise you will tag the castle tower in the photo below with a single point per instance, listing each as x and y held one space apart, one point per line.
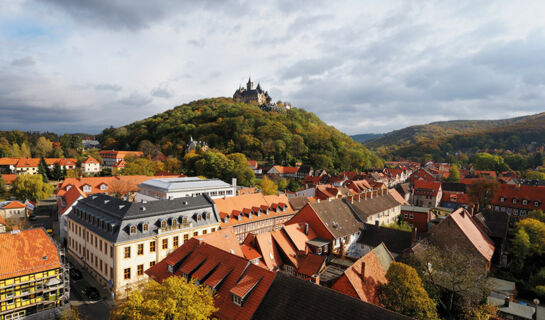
250 84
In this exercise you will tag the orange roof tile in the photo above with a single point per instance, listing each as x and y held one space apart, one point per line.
2 221
224 239
282 169
124 183
9 178
310 264
69 198
296 232
270 253
427 187
14 205
90 160
28 163
249 252
26 252
8 161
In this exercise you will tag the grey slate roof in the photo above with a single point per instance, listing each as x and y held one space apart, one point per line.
396 241
496 222
297 203
369 207
293 298
337 217
120 215
414 209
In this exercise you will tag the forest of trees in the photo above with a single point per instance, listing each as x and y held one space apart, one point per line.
441 141
229 127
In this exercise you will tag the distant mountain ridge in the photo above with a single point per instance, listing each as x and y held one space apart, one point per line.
363 137
437 139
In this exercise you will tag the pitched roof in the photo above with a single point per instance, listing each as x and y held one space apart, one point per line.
28 163
496 222
9 178
298 202
282 169
119 154
336 217
243 204
290 298
398 197
27 251
296 233
468 226
90 160
8 161
227 273
371 206
396 241
310 264
68 199
224 239
429 188
123 184
365 275
519 193
456 197
14 205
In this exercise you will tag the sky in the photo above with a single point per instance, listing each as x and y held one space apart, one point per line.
361 66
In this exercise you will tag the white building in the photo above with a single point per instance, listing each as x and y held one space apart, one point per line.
172 188
90 166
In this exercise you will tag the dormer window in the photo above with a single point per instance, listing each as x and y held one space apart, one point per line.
514 201
525 202
536 204
199 217
145 227
132 230
502 199
208 216
163 224
239 217
284 208
86 188
103 187
238 300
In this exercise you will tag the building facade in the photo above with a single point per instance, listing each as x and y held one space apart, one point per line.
33 279
111 157
90 166
117 240
251 95
172 188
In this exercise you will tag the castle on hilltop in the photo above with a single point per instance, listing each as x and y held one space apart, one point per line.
251 95
259 97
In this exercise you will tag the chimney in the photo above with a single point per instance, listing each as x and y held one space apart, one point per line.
506 302
318 200
351 199
306 228
362 273
234 182
376 223
413 236
371 195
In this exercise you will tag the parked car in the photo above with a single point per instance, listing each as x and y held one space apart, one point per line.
91 293
75 274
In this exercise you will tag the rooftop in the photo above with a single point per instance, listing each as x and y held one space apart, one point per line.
184 183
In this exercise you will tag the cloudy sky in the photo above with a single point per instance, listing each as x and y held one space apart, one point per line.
362 66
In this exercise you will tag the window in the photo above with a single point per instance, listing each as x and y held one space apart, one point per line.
127 273
163 224
152 246
237 300
502 199
145 227
199 217
411 216
204 231
186 237
184 219
133 229
165 243
140 269
140 249
173 222
127 252
196 233
213 230
208 216
514 201
536 203
175 242
525 202
151 264
111 251
405 215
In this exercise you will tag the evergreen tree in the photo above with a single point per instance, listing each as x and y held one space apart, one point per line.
43 170
57 172
2 186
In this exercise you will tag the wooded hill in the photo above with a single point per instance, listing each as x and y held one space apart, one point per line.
435 140
231 127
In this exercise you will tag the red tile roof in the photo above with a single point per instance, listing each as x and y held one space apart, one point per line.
296 233
14 205
232 275
233 206
90 160
282 169
68 199
8 161
422 187
252 163
26 252
249 252
456 197
9 178
224 239
113 154
28 163
310 264
520 193
124 184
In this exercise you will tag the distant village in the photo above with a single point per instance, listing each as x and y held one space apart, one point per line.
335 238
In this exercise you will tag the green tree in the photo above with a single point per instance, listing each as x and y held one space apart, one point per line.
43 170
31 187
173 165
405 293
43 147
25 150
57 173
538 215
139 166
487 161
58 153
535 175
241 170
2 186
174 299
268 186
454 174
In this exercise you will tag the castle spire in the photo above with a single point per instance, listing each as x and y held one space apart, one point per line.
250 84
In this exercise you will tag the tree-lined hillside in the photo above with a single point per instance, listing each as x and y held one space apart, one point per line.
232 127
439 140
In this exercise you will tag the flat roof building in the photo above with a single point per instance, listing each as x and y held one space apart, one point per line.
172 188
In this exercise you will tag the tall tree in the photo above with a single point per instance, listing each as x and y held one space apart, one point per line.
139 166
31 187
43 170
405 293
482 191
25 150
2 186
454 174
268 186
174 299
43 147
57 173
